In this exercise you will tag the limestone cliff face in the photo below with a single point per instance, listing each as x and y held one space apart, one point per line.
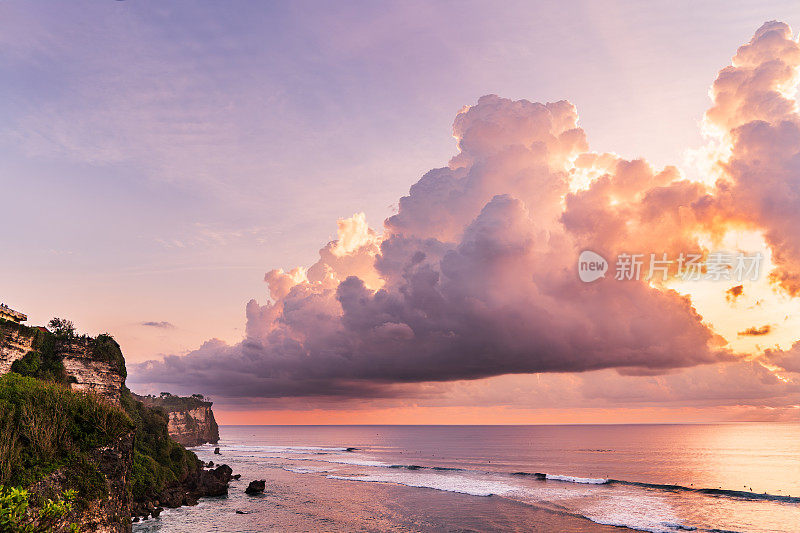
191 420
90 374
194 427
15 342
91 364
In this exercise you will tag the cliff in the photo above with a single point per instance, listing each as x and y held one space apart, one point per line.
191 420
67 422
84 363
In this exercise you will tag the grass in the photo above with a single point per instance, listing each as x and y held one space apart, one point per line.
45 427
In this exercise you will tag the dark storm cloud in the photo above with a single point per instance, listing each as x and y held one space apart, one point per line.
475 274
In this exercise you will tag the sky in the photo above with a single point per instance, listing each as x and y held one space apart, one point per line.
164 170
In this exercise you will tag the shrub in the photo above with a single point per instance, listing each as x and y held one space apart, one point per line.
106 349
17 515
49 368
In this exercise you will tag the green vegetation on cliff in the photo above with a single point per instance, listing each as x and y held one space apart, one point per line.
18 515
45 429
44 360
171 403
54 439
157 459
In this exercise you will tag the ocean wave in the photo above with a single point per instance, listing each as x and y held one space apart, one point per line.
574 479
637 511
565 478
336 456
737 494
642 518
456 484
286 449
298 470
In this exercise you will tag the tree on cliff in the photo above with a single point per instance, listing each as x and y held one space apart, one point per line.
62 327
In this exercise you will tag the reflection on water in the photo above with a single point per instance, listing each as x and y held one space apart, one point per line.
733 477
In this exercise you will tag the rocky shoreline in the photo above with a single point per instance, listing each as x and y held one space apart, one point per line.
199 484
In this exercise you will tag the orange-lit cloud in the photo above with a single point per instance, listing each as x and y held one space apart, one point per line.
734 292
474 276
757 332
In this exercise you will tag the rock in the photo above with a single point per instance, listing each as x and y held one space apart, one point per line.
210 464
216 451
157 511
236 476
215 482
256 487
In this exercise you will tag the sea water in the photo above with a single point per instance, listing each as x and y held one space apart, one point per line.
659 478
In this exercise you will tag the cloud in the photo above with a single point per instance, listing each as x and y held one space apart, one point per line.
474 276
161 325
734 292
756 332
788 360
754 117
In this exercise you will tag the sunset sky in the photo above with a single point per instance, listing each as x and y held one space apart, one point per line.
372 213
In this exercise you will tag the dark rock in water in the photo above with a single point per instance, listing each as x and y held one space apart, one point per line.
241 512
216 484
350 449
216 451
256 487
157 511
210 464
236 476
135 519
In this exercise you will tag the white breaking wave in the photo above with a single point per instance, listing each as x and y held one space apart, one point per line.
298 470
633 509
284 449
573 479
449 483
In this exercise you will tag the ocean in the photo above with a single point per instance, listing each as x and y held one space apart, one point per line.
739 477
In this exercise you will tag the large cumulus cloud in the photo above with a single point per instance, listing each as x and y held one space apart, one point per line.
474 276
